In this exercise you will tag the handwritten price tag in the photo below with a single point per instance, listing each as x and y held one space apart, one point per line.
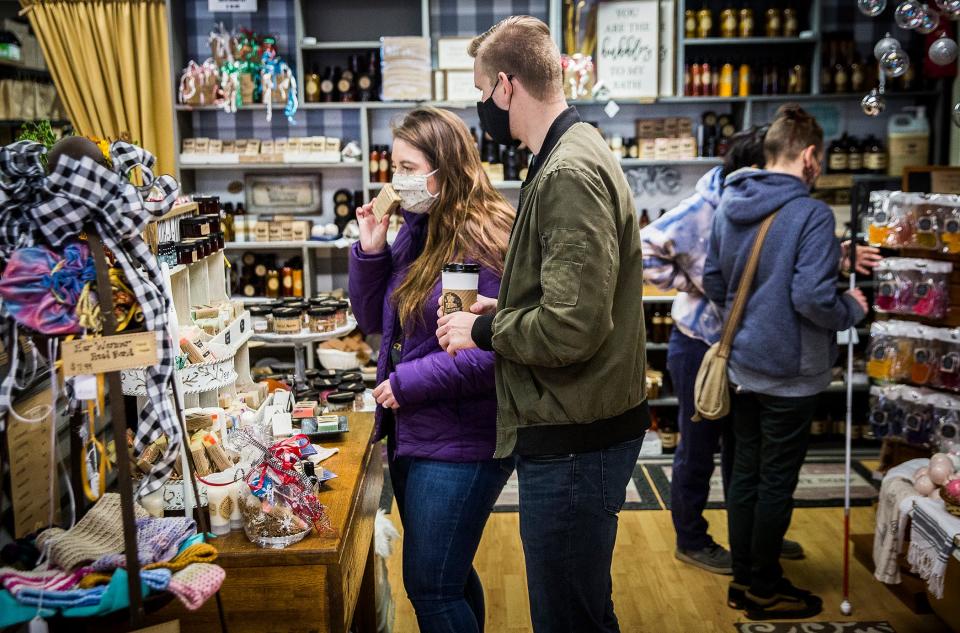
109 353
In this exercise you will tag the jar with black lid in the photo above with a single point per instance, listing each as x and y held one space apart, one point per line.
358 389
186 254
214 220
208 204
167 253
262 319
196 226
218 241
342 308
322 319
340 401
287 321
329 374
351 376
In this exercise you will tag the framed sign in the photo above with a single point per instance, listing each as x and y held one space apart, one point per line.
628 48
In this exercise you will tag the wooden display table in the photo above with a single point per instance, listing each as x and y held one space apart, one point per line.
319 585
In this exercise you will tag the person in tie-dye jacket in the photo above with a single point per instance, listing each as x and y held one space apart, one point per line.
674 252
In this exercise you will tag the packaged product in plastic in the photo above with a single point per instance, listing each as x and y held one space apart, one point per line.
886 413
946 421
913 286
947 375
917 414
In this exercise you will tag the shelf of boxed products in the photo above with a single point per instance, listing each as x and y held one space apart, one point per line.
289 245
750 41
339 46
240 166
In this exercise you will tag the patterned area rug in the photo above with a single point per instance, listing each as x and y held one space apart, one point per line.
820 486
814 627
640 494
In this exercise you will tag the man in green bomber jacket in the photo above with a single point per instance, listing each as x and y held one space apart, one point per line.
567 330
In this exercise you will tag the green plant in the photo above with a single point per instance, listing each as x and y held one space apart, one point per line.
39 132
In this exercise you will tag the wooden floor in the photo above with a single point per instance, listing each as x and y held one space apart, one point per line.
653 592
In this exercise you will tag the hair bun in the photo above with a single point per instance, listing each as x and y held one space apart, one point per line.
793 112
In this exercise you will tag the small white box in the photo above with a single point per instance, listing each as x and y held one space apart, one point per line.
439 85
282 425
281 398
460 86
452 53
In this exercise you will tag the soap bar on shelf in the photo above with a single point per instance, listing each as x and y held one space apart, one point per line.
328 423
386 202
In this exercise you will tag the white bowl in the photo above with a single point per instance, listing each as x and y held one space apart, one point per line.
335 359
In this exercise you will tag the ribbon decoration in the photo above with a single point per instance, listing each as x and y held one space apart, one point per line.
23 180
275 468
85 193
276 74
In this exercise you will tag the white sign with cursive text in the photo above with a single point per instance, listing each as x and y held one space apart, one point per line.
628 48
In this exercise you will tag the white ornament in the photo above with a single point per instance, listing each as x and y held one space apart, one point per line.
873 8
885 44
943 51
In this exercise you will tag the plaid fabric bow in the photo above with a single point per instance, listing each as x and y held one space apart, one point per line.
23 182
86 193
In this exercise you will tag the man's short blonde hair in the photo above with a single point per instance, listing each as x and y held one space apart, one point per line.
521 46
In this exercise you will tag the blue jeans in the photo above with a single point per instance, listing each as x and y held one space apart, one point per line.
568 525
444 507
693 461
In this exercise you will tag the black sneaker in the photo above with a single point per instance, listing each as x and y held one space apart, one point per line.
791 550
714 559
737 596
786 603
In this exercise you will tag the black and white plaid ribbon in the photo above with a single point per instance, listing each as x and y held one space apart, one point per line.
84 193
23 183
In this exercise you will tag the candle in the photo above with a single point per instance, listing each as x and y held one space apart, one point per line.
222 502
153 503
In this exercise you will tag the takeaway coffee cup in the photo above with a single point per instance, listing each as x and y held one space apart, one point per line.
460 283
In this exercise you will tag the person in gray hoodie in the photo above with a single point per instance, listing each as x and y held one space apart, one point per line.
783 352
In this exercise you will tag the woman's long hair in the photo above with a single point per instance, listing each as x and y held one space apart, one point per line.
469 221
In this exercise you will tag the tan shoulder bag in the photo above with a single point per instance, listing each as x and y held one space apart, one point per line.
711 391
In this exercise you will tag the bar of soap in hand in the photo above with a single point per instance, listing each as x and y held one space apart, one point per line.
386 202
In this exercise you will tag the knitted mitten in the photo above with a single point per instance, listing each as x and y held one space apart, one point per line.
196 583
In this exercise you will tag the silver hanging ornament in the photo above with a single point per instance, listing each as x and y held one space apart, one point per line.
873 103
909 14
929 22
887 43
943 51
873 8
895 63
955 115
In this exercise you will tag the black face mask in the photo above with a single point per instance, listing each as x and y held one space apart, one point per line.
494 119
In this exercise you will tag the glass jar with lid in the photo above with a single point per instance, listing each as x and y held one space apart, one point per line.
322 319
167 253
262 318
287 321
357 389
342 308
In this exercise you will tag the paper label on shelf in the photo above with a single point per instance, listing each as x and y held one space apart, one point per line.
611 108
848 336
109 353
85 387
232 6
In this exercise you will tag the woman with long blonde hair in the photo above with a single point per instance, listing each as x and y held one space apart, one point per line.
438 412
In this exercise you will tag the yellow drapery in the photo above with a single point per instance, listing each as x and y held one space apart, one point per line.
109 60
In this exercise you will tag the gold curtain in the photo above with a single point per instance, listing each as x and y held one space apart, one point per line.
109 60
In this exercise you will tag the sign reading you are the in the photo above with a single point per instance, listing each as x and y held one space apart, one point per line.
628 36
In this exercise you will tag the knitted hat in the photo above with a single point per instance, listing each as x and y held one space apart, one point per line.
196 583
97 534
158 539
